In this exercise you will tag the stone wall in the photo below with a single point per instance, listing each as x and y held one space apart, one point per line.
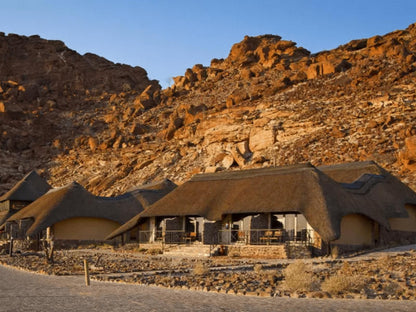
74 244
298 251
275 252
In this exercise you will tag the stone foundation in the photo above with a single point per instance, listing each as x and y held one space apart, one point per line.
298 251
270 251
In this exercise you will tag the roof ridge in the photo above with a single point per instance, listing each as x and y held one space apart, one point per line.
255 172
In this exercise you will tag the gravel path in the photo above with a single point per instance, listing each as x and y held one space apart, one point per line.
23 291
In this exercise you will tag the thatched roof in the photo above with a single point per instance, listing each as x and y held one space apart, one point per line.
74 201
30 188
163 188
300 188
150 193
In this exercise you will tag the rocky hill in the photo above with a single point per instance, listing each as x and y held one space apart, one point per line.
268 103
50 95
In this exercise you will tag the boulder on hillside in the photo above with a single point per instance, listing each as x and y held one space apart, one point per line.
261 139
148 98
236 97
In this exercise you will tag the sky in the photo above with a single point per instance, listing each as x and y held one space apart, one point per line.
166 37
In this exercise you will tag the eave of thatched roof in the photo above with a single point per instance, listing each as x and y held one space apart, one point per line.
301 188
30 188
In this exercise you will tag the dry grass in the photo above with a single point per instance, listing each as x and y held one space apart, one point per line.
234 254
340 283
299 277
345 281
335 252
154 251
200 269
258 268
386 262
392 289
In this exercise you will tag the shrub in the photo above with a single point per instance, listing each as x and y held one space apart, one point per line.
335 252
234 254
342 283
155 251
392 289
258 268
298 277
200 269
346 268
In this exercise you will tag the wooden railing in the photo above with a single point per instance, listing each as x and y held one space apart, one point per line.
168 237
263 237
229 237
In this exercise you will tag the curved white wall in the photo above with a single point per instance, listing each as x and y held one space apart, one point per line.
83 228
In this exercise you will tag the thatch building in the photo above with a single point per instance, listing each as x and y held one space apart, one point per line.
73 213
27 190
353 206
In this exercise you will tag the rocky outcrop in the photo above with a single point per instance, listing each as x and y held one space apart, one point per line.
53 99
268 103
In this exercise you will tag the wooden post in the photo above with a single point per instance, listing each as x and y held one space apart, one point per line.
11 247
87 273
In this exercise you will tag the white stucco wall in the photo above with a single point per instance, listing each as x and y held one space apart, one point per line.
84 228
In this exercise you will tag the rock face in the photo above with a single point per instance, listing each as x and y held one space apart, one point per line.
52 97
268 103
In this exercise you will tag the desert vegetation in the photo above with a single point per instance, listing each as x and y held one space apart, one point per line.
379 277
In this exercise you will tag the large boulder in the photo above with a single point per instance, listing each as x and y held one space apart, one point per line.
261 139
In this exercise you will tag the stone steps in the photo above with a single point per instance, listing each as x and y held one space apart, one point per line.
188 251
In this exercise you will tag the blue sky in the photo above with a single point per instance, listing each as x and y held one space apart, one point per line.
167 36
